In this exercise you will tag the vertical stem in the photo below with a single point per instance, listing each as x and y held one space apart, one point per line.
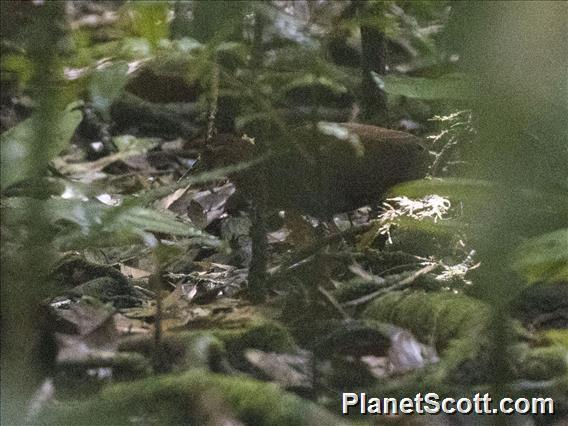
256 58
373 59
257 270
213 102
25 356
157 284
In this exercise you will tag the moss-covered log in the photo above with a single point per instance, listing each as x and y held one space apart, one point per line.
434 318
457 326
196 397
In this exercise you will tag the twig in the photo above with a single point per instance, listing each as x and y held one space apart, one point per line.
334 302
398 286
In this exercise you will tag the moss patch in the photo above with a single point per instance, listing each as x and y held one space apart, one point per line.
195 397
434 318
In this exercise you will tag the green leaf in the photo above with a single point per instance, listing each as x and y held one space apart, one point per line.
480 192
451 187
148 20
156 221
131 143
100 225
543 258
16 145
19 65
440 227
106 86
312 80
451 86
556 337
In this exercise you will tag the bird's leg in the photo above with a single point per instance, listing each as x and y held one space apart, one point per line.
350 216
257 271
376 210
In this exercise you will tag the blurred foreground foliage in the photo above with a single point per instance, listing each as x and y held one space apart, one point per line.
492 74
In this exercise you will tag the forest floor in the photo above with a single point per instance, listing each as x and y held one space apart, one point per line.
149 303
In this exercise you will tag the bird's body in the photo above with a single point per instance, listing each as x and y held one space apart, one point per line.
328 173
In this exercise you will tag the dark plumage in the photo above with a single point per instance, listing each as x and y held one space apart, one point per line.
327 173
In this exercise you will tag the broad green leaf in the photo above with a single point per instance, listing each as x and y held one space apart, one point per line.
156 221
480 192
106 86
451 86
100 225
16 144
450 187
543 258
440 227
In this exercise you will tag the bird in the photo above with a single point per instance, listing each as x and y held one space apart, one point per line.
331 168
